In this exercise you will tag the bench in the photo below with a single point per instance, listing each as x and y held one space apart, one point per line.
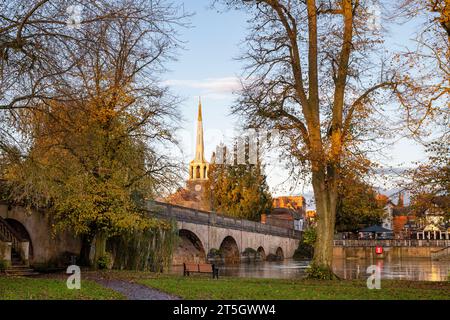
200 268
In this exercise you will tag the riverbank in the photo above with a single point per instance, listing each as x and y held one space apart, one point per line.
106 284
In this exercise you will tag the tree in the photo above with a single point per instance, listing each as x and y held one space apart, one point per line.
430 181
429 62
93 157
239 190
37 43
357 206
43 41
441 8
313 74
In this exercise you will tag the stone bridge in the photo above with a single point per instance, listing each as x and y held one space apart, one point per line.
204 234
29 234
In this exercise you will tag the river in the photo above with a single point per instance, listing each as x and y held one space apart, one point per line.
405 269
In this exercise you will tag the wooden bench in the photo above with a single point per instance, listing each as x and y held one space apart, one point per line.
200 268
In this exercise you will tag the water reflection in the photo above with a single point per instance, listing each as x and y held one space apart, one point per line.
404 269
398 269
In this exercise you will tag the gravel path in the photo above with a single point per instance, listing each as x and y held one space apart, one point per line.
134 291
128 288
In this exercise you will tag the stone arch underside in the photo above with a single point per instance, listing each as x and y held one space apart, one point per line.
190 249
46 247
261 253
279 254
22 231
230 250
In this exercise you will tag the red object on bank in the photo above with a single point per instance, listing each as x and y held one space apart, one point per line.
379 250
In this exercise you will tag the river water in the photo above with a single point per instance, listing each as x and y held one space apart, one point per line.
405 269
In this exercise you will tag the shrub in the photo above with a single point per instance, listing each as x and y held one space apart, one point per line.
215 252
250 251
304 251
305 248
3 265
214 255
320 272
103 262
310 236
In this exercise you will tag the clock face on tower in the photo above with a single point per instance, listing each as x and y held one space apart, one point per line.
198 187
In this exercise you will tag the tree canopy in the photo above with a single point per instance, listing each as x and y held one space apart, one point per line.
91 147
239 190
317 72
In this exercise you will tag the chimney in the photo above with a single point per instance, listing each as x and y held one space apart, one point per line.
263 218
400 200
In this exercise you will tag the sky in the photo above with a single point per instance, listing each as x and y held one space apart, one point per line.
207 67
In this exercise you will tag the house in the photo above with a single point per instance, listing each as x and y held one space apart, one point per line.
389 206
434 221
288 212
398 217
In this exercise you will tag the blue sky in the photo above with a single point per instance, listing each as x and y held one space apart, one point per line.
207 68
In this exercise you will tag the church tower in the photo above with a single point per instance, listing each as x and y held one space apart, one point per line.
199 167
196 195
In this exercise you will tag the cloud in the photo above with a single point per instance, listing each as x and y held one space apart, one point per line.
210 86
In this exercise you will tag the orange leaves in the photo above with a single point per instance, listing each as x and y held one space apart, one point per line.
442 7
103 115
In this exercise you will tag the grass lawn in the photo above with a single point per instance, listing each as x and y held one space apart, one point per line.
198 287
201 287
52 289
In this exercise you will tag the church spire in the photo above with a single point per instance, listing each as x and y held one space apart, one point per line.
199 167
199 149
199 118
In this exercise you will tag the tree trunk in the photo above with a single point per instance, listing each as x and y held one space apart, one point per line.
85 250
100 247
325 194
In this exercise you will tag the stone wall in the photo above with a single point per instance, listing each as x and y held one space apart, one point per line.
5 252
388 252
282 222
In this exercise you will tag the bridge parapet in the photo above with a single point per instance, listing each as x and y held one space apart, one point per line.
165 210
392 243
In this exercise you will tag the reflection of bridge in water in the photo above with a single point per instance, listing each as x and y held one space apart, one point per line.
202 233
391 249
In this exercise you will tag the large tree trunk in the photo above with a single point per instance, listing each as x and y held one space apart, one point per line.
85 250
100 247
325 194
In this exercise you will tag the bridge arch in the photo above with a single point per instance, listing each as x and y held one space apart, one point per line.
279 253
190 248
22 231
261 253
230 250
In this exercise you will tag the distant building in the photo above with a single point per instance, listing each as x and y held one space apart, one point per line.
288 212
388 205
407 222
435 214
398 217
311 216
291 202
432 222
